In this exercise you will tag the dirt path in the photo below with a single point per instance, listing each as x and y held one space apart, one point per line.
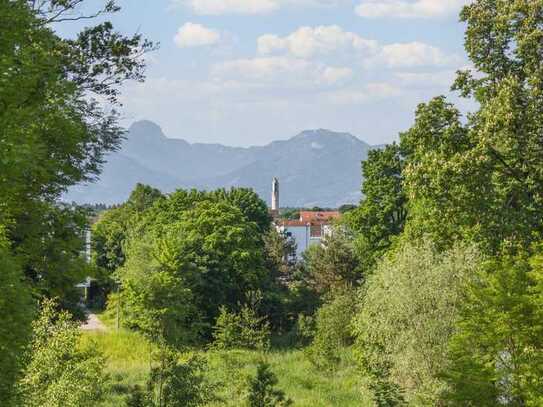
93 323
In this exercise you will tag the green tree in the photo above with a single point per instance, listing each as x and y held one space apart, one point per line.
244 330
383 210
143 197
483 180
280 265
156 299
332 265
263 391
180 383
110 232
249 203
408 311
175 380
333 329
497 350
17 309
212 255
59 373
54 132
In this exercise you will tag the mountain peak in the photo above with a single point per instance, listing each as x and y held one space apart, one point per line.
147 129
316 168
325 135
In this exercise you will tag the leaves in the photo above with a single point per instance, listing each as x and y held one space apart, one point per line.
59 373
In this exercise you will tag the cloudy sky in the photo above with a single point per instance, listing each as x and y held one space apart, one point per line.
246 72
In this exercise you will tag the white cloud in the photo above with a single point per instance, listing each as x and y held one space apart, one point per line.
409 8
368 93
412 54
417 80
220 7
280 71
333 41
196 35
307 42
332 75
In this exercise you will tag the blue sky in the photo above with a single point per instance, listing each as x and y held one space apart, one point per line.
247 72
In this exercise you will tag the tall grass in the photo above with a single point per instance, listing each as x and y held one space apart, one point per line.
128 364
127 356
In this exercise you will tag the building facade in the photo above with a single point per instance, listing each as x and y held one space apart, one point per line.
311 227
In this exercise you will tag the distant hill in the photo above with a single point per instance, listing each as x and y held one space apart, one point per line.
315 168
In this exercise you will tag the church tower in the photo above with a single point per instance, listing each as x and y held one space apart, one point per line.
275 195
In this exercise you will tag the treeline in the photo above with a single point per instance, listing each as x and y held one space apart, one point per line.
54 133
449 233
195 269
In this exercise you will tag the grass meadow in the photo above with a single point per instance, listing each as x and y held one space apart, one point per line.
127 356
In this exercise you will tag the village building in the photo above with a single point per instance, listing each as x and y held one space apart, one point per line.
309 229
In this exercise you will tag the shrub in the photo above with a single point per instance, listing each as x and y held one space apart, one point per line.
263 391
305 329
496 353
407 315
59 373
174 381
332 330
243 330
16 309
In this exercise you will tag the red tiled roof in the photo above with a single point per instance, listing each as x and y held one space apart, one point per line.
310 216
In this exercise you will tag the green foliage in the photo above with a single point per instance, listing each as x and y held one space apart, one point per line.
343 209
139 398
17 309
142 198
497 351
290 213
280 264
179 383
263 391
53 131
305 329
59 373
174 381
483 180
332 265
333 330
110 232
155 298
383 210
408 313
249 203
245 330
174 266
127 363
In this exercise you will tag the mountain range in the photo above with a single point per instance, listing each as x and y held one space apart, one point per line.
314 168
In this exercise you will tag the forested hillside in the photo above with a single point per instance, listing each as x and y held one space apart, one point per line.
428 293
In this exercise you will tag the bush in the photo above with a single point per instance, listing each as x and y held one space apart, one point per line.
59 373
496 353
332 330
262 390
408 313
243 330
174 381
17 310
305 329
